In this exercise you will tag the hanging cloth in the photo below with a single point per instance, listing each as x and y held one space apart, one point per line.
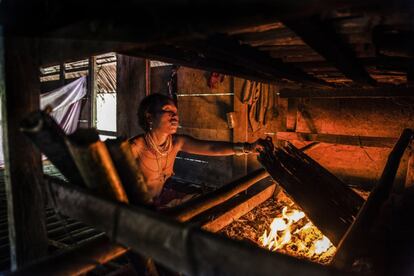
66 105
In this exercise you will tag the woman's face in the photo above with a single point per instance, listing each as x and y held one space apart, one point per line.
166 119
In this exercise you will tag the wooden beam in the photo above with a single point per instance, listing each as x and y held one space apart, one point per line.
92 90
321 37
131 87
23 168
240 206
76 261
193 59
56 50
202 203
354 244
230 50
355 93
362 141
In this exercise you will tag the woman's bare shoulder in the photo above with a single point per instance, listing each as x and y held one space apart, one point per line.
137 143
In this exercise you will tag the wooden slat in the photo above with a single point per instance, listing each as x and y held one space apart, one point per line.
389 92
362 141
23 169
243 204
326 200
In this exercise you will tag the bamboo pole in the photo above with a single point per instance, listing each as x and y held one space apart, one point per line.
76 261
132 178
202 203
175 245
95 165
46 134
355 242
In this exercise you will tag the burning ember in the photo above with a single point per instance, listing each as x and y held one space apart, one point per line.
290 232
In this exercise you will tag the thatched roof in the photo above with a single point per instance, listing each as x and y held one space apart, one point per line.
106 71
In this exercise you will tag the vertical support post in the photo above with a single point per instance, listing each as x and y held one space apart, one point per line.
409 179
20 94
240 130
131 89
62 75
147 77
92 87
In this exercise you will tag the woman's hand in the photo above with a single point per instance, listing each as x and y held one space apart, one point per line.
255 147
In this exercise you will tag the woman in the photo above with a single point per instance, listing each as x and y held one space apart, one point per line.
155 151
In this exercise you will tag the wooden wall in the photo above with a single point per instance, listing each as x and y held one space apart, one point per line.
356 165
204 117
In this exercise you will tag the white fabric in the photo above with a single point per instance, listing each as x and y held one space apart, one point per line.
66 105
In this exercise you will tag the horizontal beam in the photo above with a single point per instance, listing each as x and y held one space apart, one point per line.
321 36
202 203
76 261
385 92
192 59
362 141
241 206
178 246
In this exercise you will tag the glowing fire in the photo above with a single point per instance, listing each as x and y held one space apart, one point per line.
293 234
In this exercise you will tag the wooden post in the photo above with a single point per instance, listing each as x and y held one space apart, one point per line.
62 75
409 179
23 168
92 90
241 127
131 89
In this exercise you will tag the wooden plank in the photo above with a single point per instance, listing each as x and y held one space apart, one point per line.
23 168
362 141
55 50
349 93
230 50
131 81
92 89
321 36
195 60
243 204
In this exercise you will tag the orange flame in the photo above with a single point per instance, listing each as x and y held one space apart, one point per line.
285 230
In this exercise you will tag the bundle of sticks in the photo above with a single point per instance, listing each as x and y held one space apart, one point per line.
106 168
328 202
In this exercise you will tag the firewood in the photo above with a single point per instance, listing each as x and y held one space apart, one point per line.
327 201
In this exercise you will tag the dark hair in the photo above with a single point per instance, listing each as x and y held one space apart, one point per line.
150 104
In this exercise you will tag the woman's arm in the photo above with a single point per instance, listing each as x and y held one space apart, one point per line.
214 148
